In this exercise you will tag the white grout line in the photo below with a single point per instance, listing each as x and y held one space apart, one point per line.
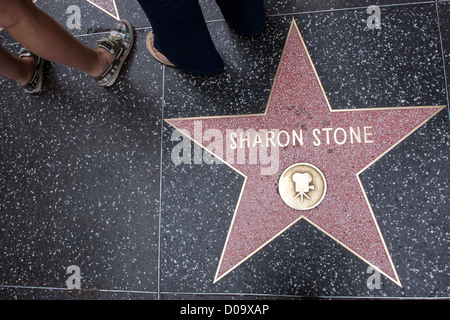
212 294
161 178
75 290
348 9
443 56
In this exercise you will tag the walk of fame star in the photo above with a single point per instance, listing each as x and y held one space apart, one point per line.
340 144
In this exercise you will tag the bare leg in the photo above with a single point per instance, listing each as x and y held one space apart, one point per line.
46 38
19 69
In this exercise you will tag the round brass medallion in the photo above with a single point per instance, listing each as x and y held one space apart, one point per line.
302 186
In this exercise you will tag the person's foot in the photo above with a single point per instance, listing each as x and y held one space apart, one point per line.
104 58
114 49
28 63
154 52
32 81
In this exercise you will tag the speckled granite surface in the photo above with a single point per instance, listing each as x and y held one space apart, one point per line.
88 177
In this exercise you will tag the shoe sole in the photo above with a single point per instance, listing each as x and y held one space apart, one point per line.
40 73
148 42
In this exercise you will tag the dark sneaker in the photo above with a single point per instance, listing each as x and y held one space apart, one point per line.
35 83
119 43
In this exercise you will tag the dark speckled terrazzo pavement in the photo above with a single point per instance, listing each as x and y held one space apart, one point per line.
87 177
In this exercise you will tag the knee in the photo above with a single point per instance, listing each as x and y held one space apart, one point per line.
13 11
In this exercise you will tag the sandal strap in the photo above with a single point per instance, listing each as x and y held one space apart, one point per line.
110 44
35 83
118 43
24 52
113 46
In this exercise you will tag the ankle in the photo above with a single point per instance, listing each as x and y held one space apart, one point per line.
27 71
103 60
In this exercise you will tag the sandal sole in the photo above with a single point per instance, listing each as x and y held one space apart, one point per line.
148 42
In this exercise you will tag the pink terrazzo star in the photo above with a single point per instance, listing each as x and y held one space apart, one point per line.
342 144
